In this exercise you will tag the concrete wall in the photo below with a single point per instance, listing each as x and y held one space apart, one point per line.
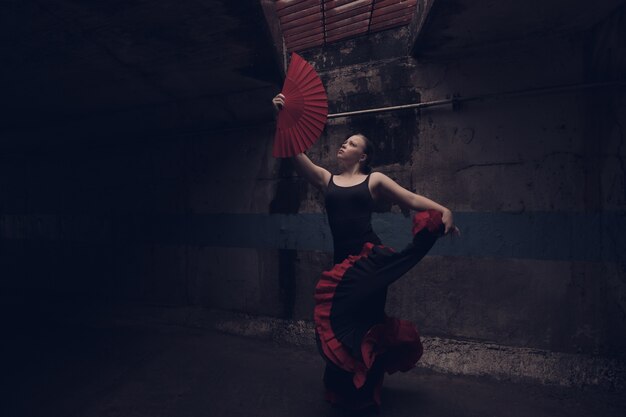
206 217
112 220
544 159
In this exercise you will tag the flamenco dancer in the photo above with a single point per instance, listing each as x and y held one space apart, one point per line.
358 341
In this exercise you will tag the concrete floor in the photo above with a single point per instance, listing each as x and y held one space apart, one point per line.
139 370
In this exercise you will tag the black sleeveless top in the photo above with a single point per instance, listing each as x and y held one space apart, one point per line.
349 211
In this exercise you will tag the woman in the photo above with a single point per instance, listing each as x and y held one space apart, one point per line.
355 337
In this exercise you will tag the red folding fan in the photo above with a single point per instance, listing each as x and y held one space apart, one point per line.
302 118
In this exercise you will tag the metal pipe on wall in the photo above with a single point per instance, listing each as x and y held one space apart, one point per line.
456 99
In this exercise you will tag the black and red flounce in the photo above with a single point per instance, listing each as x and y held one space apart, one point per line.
391 343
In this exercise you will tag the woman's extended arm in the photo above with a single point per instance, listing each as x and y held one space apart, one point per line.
389 189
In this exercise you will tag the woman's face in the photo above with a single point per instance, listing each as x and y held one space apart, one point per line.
351 150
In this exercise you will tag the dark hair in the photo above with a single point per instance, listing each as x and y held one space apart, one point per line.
366 167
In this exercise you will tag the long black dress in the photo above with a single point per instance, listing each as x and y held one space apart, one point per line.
356 338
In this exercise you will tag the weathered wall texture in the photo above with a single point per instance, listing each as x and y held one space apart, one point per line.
207 218
552 155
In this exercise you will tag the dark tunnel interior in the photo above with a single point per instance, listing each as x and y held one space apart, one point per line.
156 259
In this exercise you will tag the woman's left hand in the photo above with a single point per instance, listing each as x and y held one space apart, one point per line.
448 221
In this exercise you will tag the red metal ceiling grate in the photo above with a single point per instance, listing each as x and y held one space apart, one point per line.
309 23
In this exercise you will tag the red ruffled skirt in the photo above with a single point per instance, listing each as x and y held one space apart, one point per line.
358 342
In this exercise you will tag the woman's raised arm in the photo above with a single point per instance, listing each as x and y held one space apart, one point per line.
387 188
316 175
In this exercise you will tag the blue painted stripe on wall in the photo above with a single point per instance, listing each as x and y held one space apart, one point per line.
530 235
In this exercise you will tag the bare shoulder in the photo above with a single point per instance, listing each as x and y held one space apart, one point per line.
378 178
325 174
321 177
384 187
377 184
383 184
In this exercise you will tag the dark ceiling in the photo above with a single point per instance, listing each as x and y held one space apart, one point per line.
65 59
458 25
69 59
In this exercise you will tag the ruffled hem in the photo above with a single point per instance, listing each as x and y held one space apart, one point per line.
395 342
